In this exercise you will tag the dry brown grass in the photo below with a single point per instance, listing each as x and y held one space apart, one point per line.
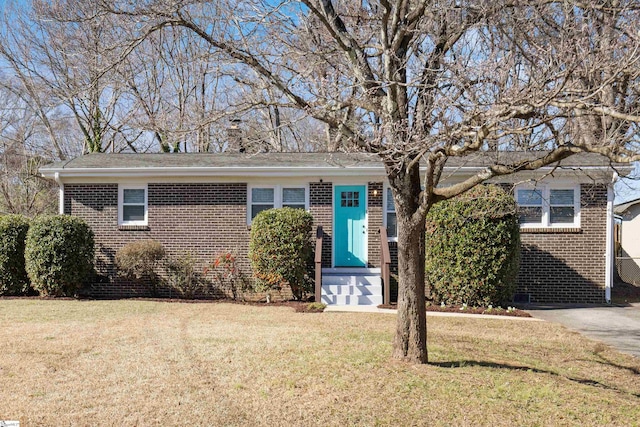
154 363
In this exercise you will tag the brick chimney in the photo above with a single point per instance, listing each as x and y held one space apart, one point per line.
235 137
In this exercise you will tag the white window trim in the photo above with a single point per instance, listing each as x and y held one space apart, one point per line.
121 188
277 196
545 189
385 190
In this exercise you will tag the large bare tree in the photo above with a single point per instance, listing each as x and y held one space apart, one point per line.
419 81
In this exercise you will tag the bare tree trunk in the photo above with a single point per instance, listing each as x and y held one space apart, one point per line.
410 343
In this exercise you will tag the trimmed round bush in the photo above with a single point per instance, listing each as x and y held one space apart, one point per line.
473 248
280 249
13 275
59 254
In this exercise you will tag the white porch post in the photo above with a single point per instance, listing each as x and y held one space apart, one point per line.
609 253
60 194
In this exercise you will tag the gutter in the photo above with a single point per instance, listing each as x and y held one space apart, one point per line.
277 171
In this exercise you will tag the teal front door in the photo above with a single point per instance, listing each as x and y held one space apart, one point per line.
350 236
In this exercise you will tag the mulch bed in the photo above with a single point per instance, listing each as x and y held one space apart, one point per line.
469 310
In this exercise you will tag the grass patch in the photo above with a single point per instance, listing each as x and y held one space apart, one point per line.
154 363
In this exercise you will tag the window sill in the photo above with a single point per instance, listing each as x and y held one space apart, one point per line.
122 227
550 230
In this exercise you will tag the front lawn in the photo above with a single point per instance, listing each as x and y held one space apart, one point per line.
65 362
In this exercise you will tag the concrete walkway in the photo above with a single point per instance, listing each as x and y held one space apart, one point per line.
617 326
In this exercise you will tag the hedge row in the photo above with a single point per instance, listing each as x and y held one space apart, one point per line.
52 254
13 234
473 248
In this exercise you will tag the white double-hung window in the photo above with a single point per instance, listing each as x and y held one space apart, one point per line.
132 205
261 198
390 215
295 197
549 205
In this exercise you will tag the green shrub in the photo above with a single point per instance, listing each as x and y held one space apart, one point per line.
59 254
473 248
13 275
280 249
140 260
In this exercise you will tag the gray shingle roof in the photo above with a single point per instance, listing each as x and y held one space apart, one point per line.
292 160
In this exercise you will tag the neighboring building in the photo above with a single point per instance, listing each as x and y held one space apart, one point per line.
628 256
204 203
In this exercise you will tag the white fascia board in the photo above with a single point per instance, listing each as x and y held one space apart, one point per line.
457 172
213 172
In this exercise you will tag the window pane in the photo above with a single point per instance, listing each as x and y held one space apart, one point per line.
529 197
561 197
135 196
132 213
530 215
561 215
262 195
390 206
350 199
293 195
392 225
256 209
293 205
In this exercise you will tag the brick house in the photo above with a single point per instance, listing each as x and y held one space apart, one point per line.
204 204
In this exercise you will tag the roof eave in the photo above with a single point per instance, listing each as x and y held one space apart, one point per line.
278 171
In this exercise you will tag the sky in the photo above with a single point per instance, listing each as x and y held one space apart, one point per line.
628 188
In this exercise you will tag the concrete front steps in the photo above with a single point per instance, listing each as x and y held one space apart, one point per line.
351 286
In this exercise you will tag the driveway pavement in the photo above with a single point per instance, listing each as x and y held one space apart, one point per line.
617 326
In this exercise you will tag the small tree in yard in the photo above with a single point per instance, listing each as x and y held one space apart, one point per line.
13 235
473 248
280 250
59 254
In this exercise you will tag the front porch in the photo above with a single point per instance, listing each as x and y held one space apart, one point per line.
353 286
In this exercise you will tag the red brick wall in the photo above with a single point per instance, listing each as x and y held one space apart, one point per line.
321 207
203 219
569 266
208 219
374 208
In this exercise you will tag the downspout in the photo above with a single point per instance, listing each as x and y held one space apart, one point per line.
60 194
609 253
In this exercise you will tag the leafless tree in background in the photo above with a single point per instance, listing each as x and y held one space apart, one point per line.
22 190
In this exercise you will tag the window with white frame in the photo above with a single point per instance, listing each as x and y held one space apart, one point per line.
549 205
132 205
276 196
261 200
390 215
294 197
